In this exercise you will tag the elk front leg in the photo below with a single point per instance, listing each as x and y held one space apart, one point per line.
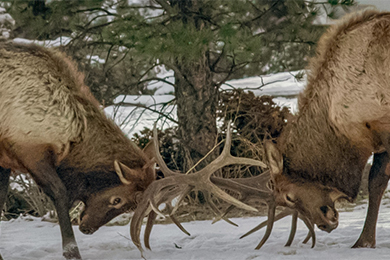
377 183
4 181
40 164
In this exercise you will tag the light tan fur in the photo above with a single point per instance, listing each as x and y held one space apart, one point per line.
36 107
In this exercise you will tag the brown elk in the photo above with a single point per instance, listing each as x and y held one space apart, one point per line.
344 117
53 128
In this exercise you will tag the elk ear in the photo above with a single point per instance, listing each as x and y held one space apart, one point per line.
122 171
274 158
336 195
149 149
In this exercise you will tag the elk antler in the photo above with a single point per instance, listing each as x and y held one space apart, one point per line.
286 212
179 185
261 192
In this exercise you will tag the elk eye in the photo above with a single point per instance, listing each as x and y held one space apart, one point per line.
116 201
290 199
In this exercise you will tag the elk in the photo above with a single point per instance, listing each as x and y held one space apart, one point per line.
319 158
54 129
344 117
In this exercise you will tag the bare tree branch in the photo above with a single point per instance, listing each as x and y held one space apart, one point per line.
167 7
130 104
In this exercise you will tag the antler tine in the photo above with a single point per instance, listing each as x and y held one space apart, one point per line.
180 199
216 211
270 224
225 158
203 176
148 229
252 187
152 217
160 161
308 236
177 223
223 215
294 222
145 207
264 223
286 212
311 233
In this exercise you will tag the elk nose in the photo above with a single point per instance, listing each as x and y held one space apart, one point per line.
327 228
329 219
87 230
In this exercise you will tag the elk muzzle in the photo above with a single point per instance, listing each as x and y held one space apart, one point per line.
84 227
328 218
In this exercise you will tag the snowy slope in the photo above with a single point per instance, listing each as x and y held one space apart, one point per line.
21 239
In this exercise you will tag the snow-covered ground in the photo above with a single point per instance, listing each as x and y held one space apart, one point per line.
21 239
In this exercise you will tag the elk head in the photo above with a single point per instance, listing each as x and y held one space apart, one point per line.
315 201
103 206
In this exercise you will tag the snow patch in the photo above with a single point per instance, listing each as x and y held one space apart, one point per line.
60 41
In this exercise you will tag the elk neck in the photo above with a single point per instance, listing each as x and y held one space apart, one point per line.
90 162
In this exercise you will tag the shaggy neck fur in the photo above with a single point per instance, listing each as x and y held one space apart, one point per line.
314 152
102 145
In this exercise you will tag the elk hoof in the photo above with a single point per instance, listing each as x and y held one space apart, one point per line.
71 252
364 243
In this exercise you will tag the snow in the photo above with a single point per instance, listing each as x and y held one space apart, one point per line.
33 239
60 41
95 59
133 119
161 87
6 18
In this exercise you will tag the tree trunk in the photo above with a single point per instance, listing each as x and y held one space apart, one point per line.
197 100
196 95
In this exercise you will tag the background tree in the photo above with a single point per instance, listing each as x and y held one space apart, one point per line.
205 42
